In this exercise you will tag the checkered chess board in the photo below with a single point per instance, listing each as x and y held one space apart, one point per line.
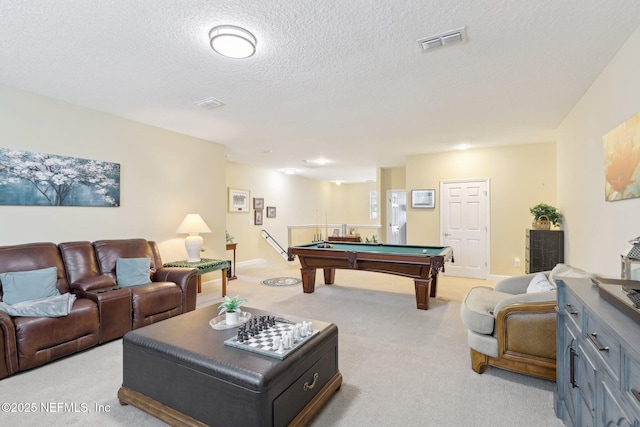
262 342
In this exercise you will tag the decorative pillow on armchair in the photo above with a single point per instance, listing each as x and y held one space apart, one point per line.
133 271
539 283
19 286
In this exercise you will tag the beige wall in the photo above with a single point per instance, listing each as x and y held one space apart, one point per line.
297 200
350 204
164 176
520 177
598 231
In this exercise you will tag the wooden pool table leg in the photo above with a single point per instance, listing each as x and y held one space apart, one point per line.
423 289
329 276
434 285
308 280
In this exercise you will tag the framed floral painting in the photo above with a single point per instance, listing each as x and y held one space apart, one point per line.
30 178
622 161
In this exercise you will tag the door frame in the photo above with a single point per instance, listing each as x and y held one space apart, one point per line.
487 182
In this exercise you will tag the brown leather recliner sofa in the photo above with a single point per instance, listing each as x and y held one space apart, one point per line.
102 311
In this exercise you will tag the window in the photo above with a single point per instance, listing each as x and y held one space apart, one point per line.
373 204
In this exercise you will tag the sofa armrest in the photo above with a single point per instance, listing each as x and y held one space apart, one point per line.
8 351
516 284
527 330
186 279
92 283
534 297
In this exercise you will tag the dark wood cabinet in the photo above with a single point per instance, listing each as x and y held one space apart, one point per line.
353 239
544 249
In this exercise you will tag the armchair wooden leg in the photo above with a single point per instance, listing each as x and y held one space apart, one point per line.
479 361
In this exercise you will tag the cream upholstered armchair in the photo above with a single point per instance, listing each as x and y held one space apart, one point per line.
513 325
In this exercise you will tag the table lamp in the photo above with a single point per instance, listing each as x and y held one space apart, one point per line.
192 225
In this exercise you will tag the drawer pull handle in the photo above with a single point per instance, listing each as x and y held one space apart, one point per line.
636 394
308 386
594 339
569 309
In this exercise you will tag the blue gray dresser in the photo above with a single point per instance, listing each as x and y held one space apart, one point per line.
598 351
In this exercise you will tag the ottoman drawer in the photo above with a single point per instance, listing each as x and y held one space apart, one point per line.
305 388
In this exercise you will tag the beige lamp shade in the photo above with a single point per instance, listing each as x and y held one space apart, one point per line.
193 224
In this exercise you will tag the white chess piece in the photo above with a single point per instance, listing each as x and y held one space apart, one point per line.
281 346
276 343
287 340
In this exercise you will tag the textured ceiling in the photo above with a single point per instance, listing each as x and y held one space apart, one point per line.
344 80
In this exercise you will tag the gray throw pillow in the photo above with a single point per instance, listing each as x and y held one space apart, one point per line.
19 286
132 271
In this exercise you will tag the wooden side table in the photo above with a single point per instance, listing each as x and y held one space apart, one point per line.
232 247
205 265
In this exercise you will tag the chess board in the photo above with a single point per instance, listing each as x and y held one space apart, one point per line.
263 342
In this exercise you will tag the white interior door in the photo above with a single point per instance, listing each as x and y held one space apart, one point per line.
396 217
464 217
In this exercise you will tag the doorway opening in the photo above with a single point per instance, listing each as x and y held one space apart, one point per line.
397 217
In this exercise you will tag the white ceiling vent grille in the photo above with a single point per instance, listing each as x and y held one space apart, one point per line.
449 38
209 103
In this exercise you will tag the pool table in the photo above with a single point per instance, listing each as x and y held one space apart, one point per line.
422 263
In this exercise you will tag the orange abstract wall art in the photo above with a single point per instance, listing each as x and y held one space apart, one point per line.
622 160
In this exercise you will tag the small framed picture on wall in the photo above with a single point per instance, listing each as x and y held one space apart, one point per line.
258 203
238 200
423 199
271 211
257 217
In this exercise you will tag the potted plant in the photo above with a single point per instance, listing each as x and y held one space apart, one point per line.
544 216
231 306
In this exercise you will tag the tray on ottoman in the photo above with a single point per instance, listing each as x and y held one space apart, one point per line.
180 371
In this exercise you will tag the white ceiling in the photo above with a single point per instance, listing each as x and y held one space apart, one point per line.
339 79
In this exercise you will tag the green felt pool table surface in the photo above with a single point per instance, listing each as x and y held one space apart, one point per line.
380 248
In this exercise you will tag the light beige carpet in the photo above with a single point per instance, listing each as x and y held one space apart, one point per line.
401 366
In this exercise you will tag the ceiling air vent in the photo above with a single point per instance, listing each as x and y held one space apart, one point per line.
445 39
209 103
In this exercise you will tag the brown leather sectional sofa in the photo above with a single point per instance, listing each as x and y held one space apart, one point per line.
102 311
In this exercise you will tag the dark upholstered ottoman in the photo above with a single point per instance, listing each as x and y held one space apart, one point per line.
180 371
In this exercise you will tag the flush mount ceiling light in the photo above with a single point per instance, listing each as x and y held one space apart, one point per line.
318 162
209 103
232 41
